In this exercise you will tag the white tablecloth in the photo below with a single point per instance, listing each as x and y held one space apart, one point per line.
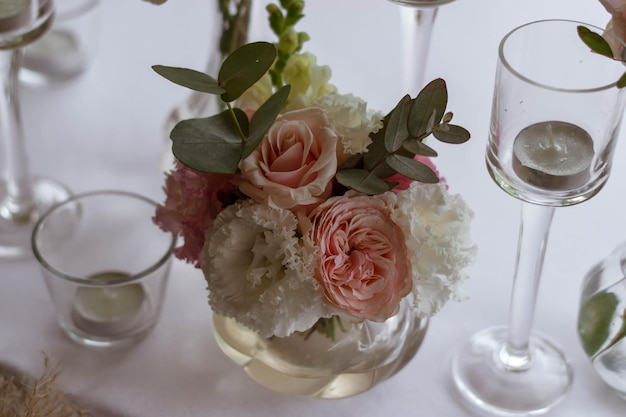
105 130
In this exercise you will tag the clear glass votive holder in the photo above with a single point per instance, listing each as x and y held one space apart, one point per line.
68 48
106 266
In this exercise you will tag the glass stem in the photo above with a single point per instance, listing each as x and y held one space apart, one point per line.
533 239
417 27
18 203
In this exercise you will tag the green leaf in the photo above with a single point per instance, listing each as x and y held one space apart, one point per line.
244 67
412 169
396 130
595 41
362 181
376 150
621 83
594 320
264 118
210 144
428 108
416 147
451 133
189 78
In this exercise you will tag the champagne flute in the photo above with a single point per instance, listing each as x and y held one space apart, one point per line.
555 120
417 20
22 197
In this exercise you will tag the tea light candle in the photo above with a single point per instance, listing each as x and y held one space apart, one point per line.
108 310
14 14
553 155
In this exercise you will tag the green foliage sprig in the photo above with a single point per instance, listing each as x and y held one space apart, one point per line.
395 146
217 143
599 45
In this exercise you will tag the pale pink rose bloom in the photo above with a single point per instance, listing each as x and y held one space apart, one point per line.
294 165
193 200
615 32
363 263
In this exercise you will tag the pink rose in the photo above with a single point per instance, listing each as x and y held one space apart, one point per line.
363 265
294 165
616 30
193 200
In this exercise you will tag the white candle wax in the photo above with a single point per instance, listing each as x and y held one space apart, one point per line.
553 155
108 310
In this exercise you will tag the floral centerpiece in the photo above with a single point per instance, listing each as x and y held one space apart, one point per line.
305 210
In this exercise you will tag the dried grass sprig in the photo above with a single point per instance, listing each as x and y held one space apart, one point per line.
25 397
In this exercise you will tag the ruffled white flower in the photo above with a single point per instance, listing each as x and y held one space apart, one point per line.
259 272
437 227
351 119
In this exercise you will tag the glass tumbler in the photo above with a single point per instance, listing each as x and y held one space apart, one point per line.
106 265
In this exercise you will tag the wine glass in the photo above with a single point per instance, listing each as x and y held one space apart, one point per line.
418 18
22 197
554 125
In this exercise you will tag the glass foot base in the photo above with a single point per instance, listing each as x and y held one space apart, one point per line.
487 383
15 233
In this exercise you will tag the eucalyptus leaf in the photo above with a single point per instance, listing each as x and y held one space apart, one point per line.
244 67
362 181
451 133
416 147
264 117
376 151
428 108
195 80
595 41
396 130
411 168
594 320
383 170
210 144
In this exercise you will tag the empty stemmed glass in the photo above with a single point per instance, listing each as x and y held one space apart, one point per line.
418 18
555 120
22 197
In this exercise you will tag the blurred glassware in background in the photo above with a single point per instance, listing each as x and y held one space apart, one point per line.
68 49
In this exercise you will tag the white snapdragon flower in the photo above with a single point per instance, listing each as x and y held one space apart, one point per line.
351 119
259 272
307 79
439 241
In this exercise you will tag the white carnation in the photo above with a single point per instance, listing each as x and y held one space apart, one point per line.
259 272
351 119
439 241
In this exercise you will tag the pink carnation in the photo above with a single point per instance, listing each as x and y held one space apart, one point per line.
193 200
363 261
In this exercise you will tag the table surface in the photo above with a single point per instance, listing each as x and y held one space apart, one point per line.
105 130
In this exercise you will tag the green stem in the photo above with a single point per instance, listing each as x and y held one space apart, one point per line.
237 125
